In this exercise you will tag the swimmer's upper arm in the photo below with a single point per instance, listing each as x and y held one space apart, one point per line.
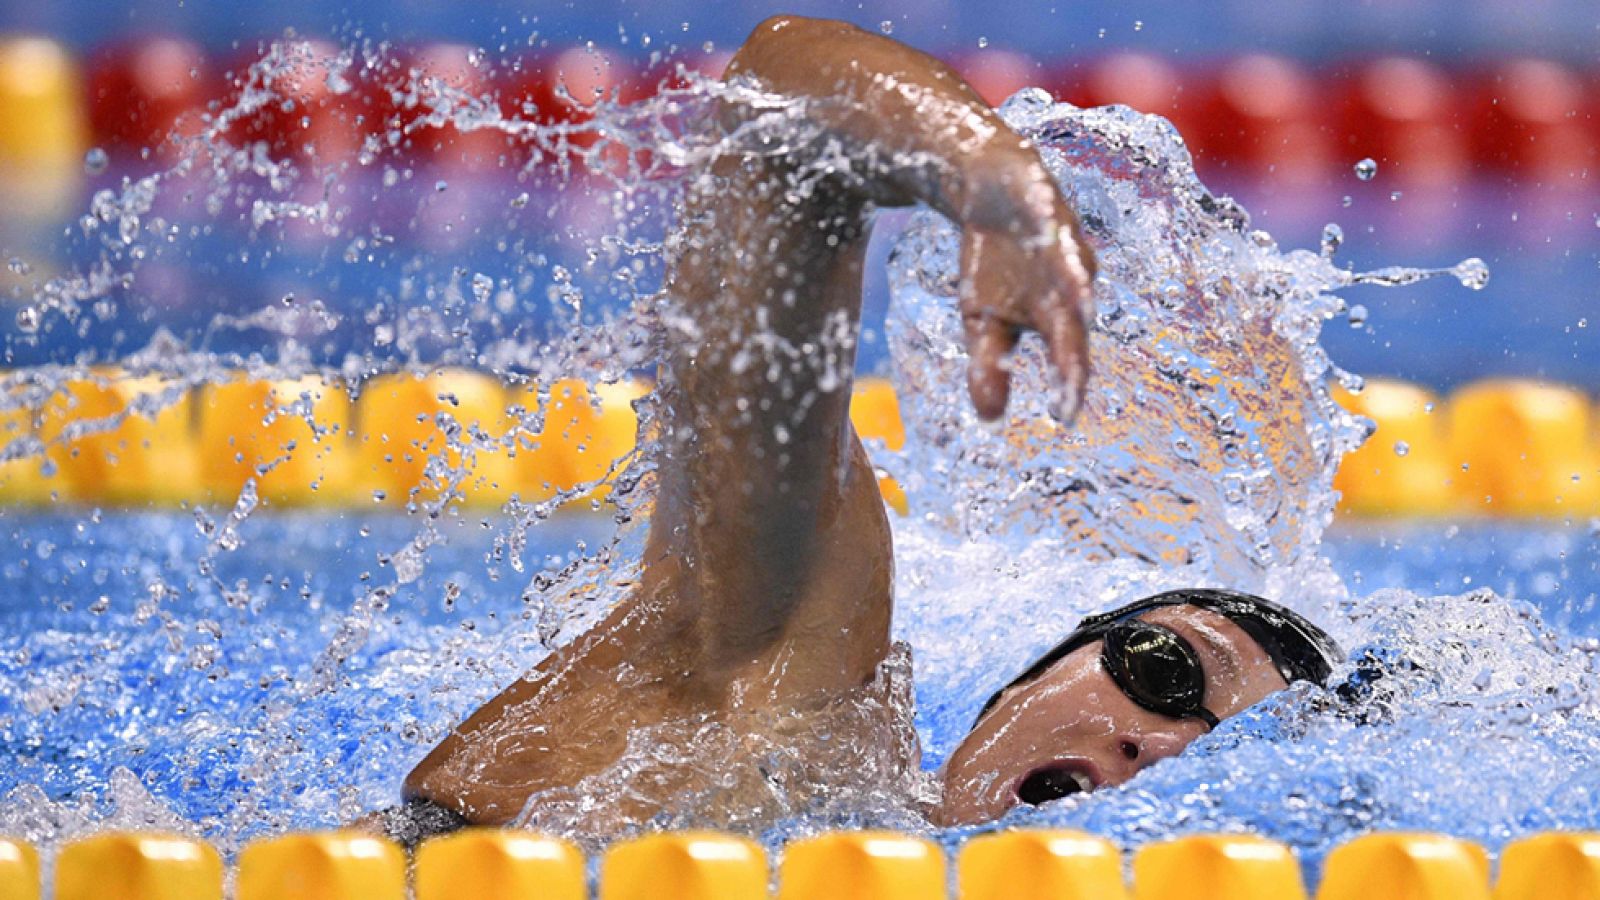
768 505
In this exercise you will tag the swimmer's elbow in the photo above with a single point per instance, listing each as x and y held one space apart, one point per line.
423 782
779 29
782 38
415 783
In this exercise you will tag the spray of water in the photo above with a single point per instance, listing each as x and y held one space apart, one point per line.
199 699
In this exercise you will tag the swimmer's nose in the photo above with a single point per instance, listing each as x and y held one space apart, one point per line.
1140 751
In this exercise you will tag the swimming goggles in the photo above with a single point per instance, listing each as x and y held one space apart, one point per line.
1161 671
1157 668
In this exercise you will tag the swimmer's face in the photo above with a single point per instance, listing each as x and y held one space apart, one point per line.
1073 728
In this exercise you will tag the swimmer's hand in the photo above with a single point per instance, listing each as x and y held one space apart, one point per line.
1024 265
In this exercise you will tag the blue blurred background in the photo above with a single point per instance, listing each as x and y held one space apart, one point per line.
1478 113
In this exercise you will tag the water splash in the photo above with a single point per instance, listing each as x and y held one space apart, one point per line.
1198 316
254 673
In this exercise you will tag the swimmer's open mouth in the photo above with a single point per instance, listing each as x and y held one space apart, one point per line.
1057 779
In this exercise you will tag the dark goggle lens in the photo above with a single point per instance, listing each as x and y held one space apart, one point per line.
1156 668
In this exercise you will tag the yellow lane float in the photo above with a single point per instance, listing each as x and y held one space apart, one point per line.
322 866
868 865
1404 467
1499 448
19 871
1217 867
479 864
875 414
483 864
43 129
420 435
121 440
1405 867
1040 865
291 436
584 434
1551 867
684 866
138 866
23 481
1525 448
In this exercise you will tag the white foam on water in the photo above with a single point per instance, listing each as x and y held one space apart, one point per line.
1204 455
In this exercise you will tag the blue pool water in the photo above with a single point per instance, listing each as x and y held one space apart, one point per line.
120 659
236 673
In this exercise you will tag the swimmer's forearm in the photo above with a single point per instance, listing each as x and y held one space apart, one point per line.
933 138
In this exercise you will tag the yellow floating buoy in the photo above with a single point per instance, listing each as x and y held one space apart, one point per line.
43 127
291 436
138 866
584 435
19 871
1040 865
1404 467
875 414
869 865
480 864
116 439
322 866
684 865
419 434
1551 867
23 481
1405 867
1217 867
1525 448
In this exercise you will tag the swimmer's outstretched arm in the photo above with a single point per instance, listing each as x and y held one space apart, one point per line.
768 568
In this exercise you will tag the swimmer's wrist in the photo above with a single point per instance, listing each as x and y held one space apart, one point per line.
1009 191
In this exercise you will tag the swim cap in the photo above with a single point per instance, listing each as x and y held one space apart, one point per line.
1300 650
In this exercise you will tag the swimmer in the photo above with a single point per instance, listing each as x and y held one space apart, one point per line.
768 569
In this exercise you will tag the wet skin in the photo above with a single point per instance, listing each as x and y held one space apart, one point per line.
1075 720
768 569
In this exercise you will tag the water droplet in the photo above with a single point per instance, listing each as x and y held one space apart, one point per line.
1394 195
982 42
1401 448
441 185
1583 323
482 287
1472 273
520 200
1138 24
1347 201
886 26
1332 237
1358 316
95 162
28 319
1366 168
379 496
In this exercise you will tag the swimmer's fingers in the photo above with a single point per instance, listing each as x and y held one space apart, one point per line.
990 317
1024 265
1008 285
989 339
1063 325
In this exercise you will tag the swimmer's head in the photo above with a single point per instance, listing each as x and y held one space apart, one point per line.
1124 690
